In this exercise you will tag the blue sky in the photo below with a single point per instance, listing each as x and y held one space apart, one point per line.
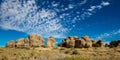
99 19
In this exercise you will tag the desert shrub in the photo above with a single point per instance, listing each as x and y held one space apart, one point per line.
22 47
86 46
96 45
75 52
67 52
4 58
75 58
62 49
55 47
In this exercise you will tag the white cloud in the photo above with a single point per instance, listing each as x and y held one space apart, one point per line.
83 2
26 17
70 6
92 8
90 11
54 4
108 34
105 3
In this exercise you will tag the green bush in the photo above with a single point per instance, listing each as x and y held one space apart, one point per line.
22 47
75 52
96 45
4 58
76 58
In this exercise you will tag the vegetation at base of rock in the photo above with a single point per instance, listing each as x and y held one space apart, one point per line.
75 52
76 58
96 53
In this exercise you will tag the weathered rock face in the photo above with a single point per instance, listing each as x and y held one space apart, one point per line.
10 44
85 41
20 42
88 41
51 42
70 42
93 43
78 44
26 42
100 43
86 38
35 40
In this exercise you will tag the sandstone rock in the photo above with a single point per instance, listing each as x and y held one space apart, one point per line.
93 43
20 42
72 43
100 43
78 44
86 38
35 40
51 42
76 38
83 43
88 41
26 42
10 44
88 44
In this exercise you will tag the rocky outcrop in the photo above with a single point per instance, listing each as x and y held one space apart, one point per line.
10 44
35 40
51 42
100 43
93 43
114 44
83 42
20 42
88 41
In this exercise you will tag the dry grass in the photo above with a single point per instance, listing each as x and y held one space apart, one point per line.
60 53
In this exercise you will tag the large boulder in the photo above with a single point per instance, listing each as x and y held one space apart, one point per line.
78 44
51 42
20 42
93 43
76 38
70 42
35 40
88 41
100 43
10 44
26 42
86 38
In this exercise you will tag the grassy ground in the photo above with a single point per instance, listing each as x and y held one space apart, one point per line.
60 53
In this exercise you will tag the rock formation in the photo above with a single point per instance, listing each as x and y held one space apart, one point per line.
51 42
93 42
20 42
10 44
35 40
100 43
83 42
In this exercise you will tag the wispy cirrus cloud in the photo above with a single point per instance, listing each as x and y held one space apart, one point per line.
90 11
105 35
47 18
26 17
